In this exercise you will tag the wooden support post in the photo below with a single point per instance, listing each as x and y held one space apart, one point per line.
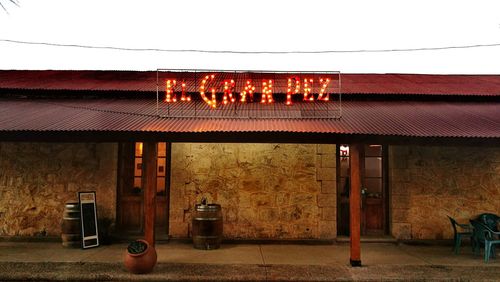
149 156
167 186
355 205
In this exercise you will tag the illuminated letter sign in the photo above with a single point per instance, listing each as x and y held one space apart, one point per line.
169 89
184 96
212 103
267 91
226 88
248 90
307 89
324 83
228 92
290 90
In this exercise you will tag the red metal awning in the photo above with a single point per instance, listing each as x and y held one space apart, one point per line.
480 85
381 118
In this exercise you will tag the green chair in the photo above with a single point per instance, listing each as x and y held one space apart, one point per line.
459 231
489 219
483 235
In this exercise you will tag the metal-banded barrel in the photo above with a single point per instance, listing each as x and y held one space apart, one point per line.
207 226
71 235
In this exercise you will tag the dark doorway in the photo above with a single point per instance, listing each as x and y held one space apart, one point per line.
130 205
374 206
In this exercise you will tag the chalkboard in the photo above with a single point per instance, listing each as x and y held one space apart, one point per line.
88 218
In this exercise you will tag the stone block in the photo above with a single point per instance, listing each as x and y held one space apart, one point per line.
325 174
400 175
400 189
327 230
251 185
328 214
107 154
247 216
400 215
303 199
398 159
187 216
230 215
328 187
326 149
399 150
51 177
327 200
18 182
179 230
58 188
318 161
269 214
400 202
245 200
312 187
176 215
401 231
72 187
282 199
263 199
328 160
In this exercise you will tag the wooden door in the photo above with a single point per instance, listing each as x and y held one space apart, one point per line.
130 205
374 194
130 210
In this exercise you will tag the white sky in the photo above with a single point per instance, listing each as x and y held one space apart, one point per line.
256 25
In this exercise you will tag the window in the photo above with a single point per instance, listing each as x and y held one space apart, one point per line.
161 169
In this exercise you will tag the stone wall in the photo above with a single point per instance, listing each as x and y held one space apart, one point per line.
428 183
36 179
267 191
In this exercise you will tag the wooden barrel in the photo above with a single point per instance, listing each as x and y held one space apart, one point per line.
71 235
207 226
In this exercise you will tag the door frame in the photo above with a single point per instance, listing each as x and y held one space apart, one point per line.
385 191
120 194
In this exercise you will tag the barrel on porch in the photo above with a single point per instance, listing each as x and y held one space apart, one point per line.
70 227
207 226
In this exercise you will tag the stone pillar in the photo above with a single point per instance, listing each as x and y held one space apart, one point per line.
399 181
327 198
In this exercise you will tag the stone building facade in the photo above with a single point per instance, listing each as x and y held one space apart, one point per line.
267 191
36 179
428 183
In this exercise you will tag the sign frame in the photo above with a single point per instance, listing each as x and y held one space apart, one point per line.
88 219
229 93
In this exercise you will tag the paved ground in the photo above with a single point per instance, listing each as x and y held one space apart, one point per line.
243 262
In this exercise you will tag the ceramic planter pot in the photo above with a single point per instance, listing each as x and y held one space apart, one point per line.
139 263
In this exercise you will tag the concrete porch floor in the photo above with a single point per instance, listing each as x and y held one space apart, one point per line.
247 262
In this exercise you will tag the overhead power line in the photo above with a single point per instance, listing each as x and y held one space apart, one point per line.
250 52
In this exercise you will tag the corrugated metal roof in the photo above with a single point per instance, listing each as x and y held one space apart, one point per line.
398 118
351 83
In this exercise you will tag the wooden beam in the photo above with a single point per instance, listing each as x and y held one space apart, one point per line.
355 205
149 156
168 175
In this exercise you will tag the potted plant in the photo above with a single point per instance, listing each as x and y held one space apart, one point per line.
140 257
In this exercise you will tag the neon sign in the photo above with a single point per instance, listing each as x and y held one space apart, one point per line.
224 88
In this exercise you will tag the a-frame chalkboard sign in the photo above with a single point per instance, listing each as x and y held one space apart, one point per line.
88 218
